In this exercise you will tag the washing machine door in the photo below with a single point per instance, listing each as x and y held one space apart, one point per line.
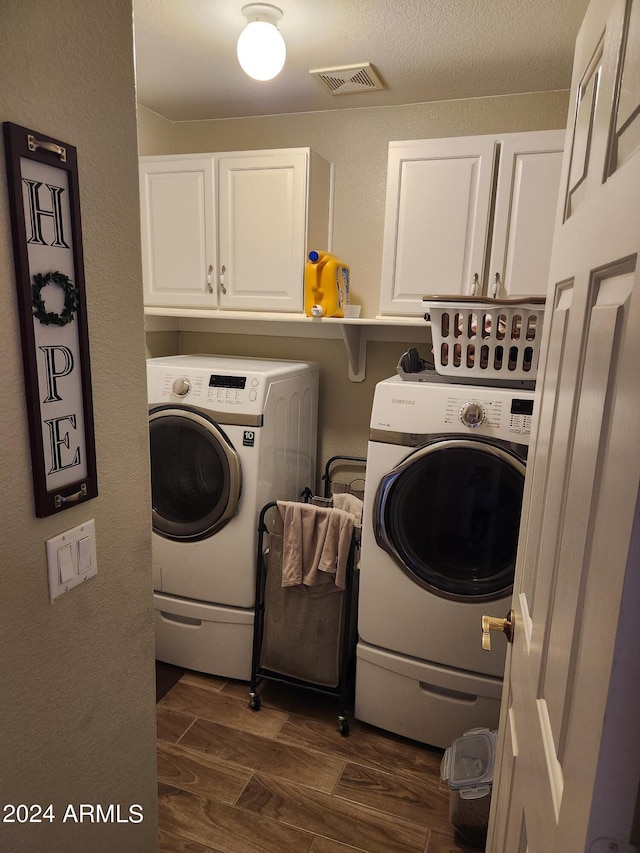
196 477
449 514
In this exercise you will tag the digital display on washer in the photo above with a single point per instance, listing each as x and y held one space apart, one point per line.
521 407
217 380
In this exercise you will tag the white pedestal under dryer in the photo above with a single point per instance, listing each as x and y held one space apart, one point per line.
227 435
443 494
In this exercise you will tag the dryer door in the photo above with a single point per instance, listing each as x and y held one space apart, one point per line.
449 514
195 474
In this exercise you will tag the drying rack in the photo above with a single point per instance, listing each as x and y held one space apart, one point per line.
304 637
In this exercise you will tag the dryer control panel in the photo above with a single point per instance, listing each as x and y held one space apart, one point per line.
513 414
472 414
428 409
521 416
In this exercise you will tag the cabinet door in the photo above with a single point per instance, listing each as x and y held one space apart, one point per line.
525 212
177 231
436 219
262 223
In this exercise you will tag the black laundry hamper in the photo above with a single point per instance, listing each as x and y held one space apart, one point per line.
344 474
304 636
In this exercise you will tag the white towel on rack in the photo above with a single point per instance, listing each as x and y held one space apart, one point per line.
316 542
349 503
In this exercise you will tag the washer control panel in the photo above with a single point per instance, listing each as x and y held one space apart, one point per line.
213 390
181 386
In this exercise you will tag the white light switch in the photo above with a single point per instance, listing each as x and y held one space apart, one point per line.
84 554
71 558
66 569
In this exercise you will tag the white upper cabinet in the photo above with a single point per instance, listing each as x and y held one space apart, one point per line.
461 211
241 242
436 219
525 211
178 231
263 224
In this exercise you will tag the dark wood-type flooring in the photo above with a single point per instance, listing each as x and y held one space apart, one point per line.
234 780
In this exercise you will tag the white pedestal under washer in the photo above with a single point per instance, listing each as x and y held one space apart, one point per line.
445 473
227 435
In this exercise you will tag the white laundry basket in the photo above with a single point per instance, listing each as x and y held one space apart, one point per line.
488 338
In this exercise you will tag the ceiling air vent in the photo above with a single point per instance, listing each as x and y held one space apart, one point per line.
349 78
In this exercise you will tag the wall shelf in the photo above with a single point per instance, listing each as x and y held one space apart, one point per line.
354 333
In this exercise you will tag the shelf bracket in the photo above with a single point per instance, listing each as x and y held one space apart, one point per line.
356 345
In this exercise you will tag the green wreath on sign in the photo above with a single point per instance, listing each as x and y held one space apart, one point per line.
40 312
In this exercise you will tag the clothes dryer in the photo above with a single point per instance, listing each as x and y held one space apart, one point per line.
445 476
227 435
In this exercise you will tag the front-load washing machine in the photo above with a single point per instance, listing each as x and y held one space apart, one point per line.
227 435
443 494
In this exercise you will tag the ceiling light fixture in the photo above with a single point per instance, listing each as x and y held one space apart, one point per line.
261 48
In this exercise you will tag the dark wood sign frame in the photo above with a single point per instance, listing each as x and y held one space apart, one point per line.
44 201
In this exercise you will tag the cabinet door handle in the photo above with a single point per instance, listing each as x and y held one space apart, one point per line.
497 284
209 285
222 272
475 285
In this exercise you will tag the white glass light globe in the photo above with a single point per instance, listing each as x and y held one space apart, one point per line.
261 50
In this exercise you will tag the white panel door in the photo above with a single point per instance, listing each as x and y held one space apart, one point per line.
568 767
262 226
177 220
436 220
525 208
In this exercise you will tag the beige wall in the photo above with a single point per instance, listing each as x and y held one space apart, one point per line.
77 702
155 133
356 142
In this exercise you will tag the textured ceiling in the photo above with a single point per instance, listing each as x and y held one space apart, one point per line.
423 50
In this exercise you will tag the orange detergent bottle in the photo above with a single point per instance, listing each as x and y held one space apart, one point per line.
326 285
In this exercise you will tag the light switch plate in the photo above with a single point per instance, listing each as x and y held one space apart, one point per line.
71 558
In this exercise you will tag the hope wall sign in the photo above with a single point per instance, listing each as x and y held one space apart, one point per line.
44 201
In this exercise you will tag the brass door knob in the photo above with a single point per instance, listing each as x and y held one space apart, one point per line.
491 623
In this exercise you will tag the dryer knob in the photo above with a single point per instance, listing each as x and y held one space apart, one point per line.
472 414
181 386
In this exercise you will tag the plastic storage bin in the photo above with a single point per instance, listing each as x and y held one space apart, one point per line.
468 765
